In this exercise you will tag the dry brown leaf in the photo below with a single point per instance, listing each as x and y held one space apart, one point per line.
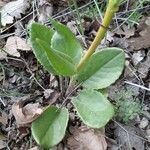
128 138
34 148
143 41
148 21
45 11
72 26
144 67
2 144
138 57
14 44
27 114
148 134
4 118
47 93
3 55
2 3
87 139
13 9
127 32
144 123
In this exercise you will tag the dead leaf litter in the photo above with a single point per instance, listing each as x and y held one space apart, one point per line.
21 76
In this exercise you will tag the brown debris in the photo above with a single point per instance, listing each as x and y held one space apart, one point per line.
127 32
86 139
129 138
15 43
27 114
4 118
144 67
143 40
45 11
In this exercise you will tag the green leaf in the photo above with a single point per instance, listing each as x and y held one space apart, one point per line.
103 68
64 41
93 108
44 33
62 63
49 129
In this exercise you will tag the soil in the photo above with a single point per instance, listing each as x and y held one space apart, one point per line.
23 81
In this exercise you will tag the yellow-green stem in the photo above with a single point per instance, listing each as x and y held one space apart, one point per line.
110 11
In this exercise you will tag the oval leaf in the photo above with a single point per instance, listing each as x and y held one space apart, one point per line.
62 63
65 41
49 129
93 108
44 33
103 68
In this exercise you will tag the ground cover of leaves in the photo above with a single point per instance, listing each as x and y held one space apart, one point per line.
25 87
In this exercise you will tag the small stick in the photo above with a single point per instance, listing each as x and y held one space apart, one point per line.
140 86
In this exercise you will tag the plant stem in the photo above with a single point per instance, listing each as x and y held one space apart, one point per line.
112 8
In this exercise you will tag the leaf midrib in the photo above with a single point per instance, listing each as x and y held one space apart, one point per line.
103 66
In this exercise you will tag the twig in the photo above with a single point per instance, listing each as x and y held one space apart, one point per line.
140 86
2 102
127 18
129 133
76 87
32 75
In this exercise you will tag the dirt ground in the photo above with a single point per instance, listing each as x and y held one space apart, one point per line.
25 87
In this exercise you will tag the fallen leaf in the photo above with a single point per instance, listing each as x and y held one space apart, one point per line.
144 67
109 36
2 4
143 40
3 55
137 57
148 134
127 137
124 30
4 118
2 137
34 148
72 26
13 9
45 11
87 139
47 93
53 81
143 123
14 44
2 144
148 21
27 114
